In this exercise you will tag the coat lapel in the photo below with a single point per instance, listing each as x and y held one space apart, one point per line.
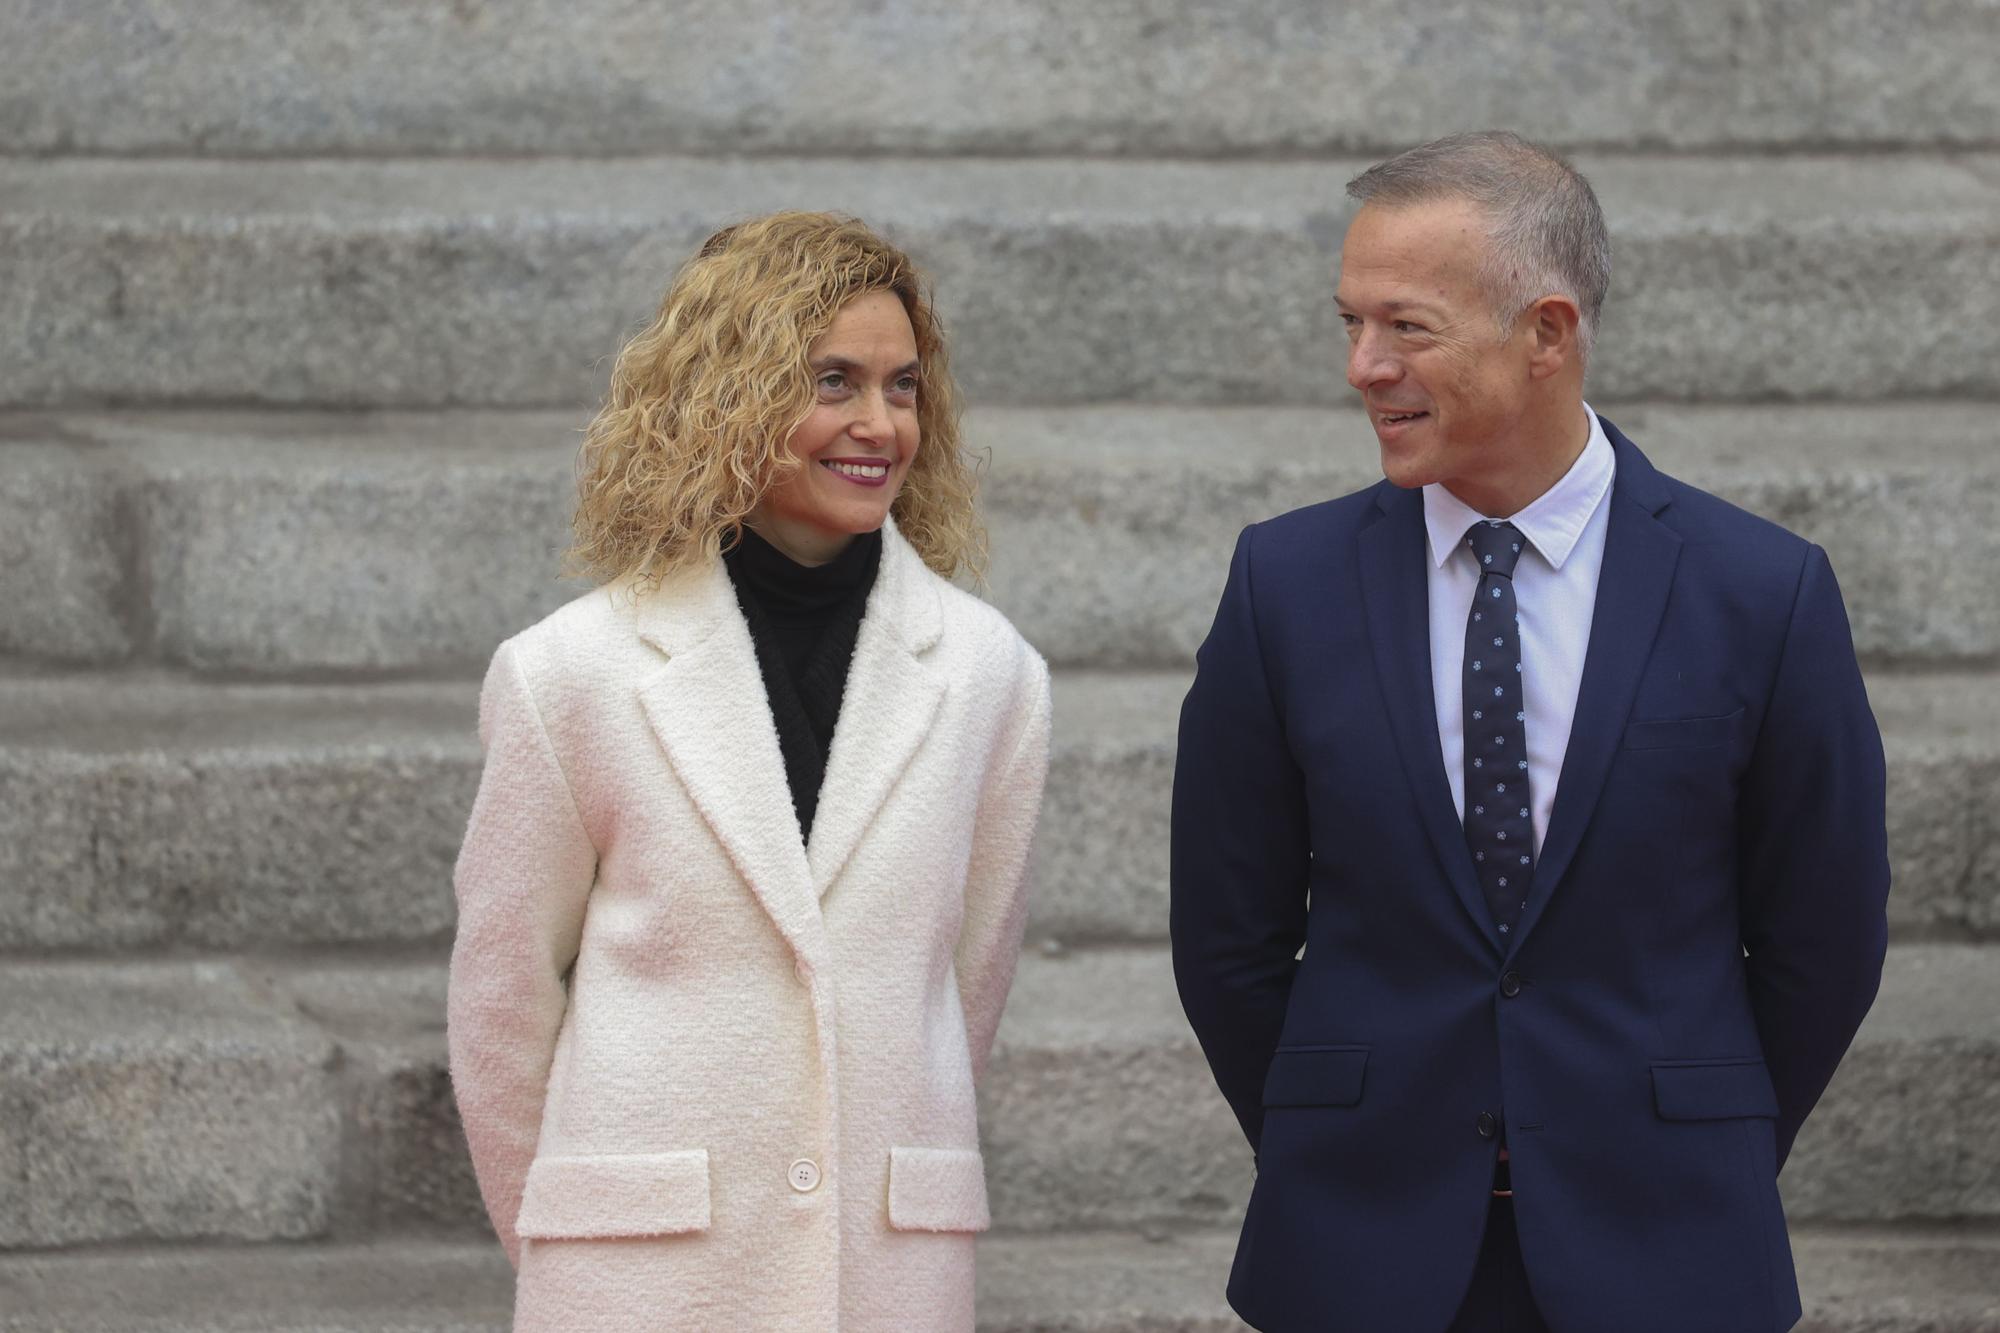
1640 555
1396 593
886 710
707 706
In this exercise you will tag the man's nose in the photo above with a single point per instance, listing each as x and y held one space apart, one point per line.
1368 362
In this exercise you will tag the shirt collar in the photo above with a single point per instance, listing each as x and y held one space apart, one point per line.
1552 524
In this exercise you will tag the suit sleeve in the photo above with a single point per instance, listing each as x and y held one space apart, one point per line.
1813 854
522 879
997 876
1240 850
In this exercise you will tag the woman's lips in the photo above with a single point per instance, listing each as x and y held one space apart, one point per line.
869 472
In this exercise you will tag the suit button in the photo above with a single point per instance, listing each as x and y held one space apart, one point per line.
804 1175
1488 1126
1510 984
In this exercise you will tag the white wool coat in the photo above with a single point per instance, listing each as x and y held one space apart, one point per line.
713 1077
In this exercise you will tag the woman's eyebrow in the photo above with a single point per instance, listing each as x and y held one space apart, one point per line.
835 362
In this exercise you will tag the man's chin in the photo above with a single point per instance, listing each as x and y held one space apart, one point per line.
1403 470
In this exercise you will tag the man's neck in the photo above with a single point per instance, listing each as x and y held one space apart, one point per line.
1550 452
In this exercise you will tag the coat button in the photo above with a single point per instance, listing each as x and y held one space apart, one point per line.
804 1175
1488 1126
1510 984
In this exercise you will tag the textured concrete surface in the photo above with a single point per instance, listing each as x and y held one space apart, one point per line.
1151 76
160 1102
1911 1123
157 813
220 816
168 1101
508 283
365 543
64 577
1937 1281
398 1285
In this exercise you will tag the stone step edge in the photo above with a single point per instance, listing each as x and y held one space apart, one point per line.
1775 187
1877 1279
1104 996
110 712
1961 429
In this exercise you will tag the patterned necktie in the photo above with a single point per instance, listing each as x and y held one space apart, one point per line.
1498 826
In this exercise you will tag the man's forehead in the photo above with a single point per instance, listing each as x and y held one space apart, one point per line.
1403 255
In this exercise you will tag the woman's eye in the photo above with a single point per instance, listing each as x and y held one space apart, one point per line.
833 381
907 384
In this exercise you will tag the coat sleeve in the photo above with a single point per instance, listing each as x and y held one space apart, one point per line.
1813 854
996 885
522 879
1240 849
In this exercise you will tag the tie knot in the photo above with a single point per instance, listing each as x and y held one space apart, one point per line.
1496 546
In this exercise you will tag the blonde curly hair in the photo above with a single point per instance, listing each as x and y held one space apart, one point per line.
694 430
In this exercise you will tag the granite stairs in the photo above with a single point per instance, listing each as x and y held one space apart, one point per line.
304 306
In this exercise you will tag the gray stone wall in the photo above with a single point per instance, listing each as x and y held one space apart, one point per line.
302 306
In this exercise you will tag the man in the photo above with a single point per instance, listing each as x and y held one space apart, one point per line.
1529 862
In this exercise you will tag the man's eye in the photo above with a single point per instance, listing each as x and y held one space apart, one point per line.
1404 326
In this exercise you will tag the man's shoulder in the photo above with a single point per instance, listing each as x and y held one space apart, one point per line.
1741 543
1309 531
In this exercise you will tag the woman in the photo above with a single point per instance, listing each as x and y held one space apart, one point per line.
726 974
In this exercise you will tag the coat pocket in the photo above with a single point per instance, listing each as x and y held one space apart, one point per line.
1316 1076
937 1189
599 1196
1681 733
1713 1089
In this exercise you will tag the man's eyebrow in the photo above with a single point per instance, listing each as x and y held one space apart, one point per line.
1392 307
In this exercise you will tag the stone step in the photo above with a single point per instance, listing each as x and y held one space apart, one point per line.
248 1101
509 282
140 814
299 543
182 76
1874 1281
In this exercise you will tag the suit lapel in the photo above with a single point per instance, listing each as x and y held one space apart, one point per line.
707 706
1396 592
1640 555
892 695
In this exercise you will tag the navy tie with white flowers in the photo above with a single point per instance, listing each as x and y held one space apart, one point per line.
1498 826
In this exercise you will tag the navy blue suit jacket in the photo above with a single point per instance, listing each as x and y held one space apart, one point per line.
1703 933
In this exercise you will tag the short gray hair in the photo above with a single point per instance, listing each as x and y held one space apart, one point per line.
1545 230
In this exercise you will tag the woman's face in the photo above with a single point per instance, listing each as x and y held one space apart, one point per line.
860 438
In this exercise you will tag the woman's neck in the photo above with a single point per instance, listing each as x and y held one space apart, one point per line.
804 543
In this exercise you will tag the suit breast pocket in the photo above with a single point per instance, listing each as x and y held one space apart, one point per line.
1683 733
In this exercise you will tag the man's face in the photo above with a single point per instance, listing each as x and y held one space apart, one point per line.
1444 389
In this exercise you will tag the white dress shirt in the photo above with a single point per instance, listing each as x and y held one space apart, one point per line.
1555 588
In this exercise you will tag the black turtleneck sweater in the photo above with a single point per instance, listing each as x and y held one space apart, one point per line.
804 620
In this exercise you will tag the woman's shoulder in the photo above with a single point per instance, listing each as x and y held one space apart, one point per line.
984 643
593 631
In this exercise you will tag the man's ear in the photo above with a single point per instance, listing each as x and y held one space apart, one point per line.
1552 335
